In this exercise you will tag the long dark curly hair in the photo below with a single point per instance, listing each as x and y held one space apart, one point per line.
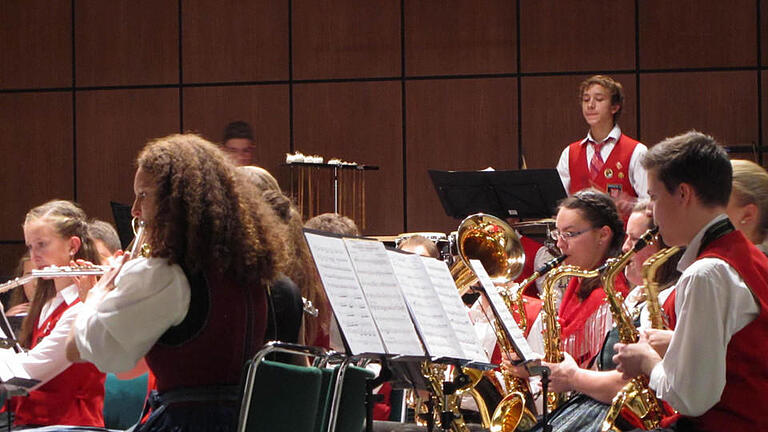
204 221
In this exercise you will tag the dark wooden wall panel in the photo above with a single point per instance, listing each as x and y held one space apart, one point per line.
346 38
235 40
675 103
343 95
764 102
126 42
35 43
112 127
9 258
692 33
460 37
467 124
552 115
359 122
36 145
573 36
764 32
207 110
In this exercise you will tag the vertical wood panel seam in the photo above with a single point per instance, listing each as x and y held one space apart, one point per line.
637 71
518 44
290 78
74 105
759 84
403 120
181 70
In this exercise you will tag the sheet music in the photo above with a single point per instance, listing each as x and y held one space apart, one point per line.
377 278
457 313
517 339
428 314
345 295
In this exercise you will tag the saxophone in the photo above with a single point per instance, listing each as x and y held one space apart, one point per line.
551 331
441 402
636 396
514 411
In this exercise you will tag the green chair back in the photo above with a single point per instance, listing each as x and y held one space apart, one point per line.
351 413
285 398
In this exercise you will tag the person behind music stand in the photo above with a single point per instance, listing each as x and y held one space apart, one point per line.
238 143
615 168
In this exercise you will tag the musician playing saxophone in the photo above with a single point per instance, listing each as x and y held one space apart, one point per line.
714 372
596 388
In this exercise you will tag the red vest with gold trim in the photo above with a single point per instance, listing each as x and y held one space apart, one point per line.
74 397
615 175
745 396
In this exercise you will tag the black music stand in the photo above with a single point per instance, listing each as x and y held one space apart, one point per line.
525 194
122 215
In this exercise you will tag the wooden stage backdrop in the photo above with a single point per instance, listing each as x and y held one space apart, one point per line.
407 85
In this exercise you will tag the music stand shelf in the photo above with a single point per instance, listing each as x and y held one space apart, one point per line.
524 194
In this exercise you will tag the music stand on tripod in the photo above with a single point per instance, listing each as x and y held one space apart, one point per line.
524 194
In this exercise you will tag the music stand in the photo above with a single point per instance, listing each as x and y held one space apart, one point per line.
122 215
525 194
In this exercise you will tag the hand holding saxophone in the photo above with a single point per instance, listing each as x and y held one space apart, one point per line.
658 339
561 374
635 359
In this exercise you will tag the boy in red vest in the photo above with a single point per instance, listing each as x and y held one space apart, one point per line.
714 372
606 159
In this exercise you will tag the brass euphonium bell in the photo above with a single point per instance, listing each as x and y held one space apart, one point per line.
491 241
498 247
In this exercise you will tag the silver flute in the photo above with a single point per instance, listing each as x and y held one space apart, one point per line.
54 272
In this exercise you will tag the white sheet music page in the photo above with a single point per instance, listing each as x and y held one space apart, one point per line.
11 371
428 314
382 292
517 338
344 293
457 313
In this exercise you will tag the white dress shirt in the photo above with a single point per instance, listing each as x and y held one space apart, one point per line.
637 175
712 304
149 297
48 358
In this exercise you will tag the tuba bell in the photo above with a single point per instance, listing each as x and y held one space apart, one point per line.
491 241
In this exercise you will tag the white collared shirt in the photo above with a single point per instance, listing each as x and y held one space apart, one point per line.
712 304
149 297
637 175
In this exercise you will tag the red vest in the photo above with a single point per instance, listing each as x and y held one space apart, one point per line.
744 399
615 175
74 397
233 331
668 309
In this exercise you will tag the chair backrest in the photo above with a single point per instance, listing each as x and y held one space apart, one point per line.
285 397
352 409
123 401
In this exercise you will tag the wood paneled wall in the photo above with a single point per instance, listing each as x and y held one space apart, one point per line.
404 84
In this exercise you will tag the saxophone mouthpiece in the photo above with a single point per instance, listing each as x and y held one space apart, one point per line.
551 264
646 239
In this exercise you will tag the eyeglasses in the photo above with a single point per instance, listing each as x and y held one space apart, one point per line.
566 235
